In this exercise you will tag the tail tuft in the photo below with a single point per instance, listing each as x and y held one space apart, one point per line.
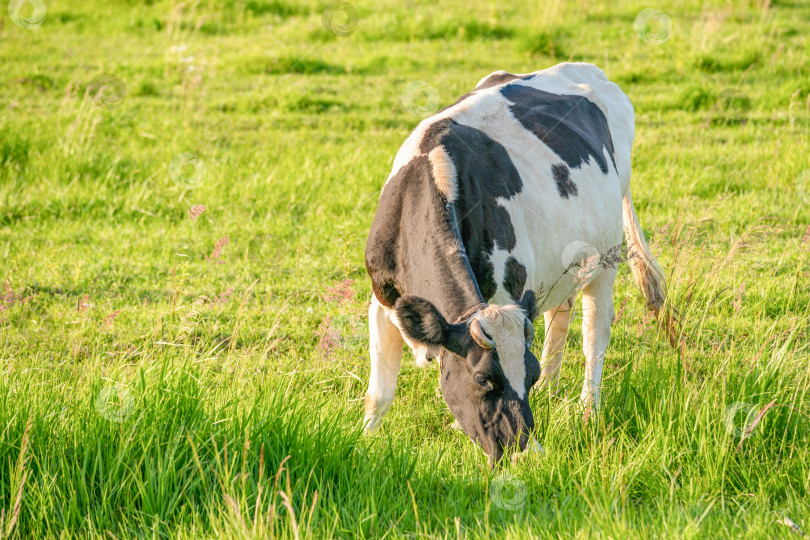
648 274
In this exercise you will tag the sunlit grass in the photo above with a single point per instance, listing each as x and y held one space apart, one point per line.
152 384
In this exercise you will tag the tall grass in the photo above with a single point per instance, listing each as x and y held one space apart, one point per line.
163 376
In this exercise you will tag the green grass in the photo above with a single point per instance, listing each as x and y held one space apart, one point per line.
237 388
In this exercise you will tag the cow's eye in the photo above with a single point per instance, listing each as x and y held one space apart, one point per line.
484 382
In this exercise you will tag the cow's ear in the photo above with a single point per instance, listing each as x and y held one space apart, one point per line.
421 322
528 302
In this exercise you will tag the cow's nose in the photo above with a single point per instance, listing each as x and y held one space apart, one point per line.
523 440
495 455
496 446
493 445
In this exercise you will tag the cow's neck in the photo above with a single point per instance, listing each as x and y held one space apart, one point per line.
445 277
415 247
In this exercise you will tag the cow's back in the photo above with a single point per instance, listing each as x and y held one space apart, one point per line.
536 166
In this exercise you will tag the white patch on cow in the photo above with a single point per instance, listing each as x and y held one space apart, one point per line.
444 173
498 259
385 346
547 223
595 97
504 324
423 354
544 223
410 149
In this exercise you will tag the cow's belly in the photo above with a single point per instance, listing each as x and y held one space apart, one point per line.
563 243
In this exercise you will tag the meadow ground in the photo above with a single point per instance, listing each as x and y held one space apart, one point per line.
171 373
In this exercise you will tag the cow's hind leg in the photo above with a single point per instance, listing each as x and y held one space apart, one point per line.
597 318
557 322
385 345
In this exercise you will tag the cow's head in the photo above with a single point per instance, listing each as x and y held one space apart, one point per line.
487 367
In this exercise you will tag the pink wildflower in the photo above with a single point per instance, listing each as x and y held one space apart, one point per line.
84 304
738 296
328 338
341 293
108 322
7 299
195 212
217 253
224 296
620 312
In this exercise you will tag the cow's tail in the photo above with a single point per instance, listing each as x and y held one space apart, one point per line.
648 274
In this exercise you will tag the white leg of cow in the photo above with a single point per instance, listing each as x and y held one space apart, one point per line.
597 318
385 344
557 322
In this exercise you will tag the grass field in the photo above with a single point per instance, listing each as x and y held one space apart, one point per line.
171 373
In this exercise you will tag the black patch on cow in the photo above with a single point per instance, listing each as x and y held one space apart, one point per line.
485 174
501 78
421 322
514 278
562 177
411 248
528 302
572 126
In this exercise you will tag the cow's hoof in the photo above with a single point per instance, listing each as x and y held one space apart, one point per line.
370 425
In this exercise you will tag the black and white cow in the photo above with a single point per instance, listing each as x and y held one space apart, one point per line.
507 202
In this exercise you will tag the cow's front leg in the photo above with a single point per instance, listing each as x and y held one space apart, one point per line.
385 345
557 322
597 318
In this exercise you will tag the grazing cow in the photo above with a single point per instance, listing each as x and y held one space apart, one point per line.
507 202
